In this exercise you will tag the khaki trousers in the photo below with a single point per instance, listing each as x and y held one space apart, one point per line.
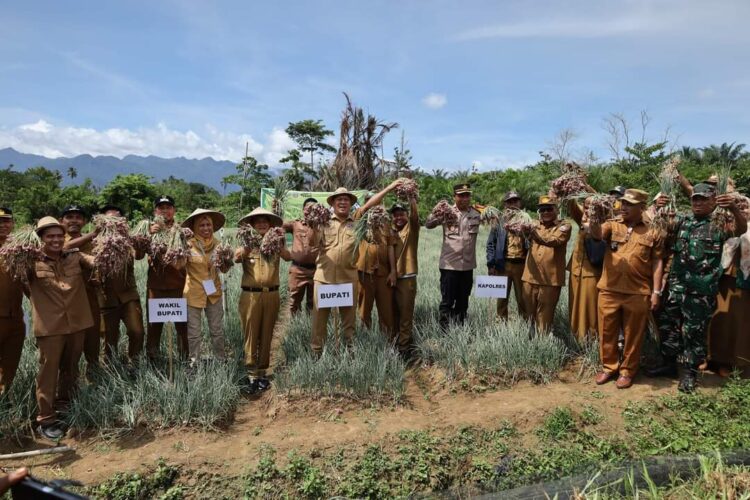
540 302
404 296
301 286
374 290
514 271
153 339
258 313
629 313
131 314
583 309
92 343
215 318
347 317
58 373
12 333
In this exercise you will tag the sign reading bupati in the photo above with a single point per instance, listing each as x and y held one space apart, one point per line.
167 310
335 295
491 287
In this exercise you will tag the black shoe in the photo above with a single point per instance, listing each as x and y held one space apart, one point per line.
263 384
687 382
53 432
668 370
251 387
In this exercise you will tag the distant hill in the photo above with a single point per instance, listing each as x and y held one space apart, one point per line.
101 169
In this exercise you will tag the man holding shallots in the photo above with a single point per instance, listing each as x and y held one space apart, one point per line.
12 327
263 242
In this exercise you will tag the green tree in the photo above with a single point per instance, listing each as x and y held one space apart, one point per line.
84 194
189 195
134 193
299 172
39 193
251 176
310 137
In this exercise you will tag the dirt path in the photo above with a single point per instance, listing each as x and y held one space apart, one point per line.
326 425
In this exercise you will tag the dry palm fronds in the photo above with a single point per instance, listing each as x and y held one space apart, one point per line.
721 217
20 252
316 215
490 216
248 236
141 236
371 226
407 190
113 246
517 221
280 191
444 213
273 241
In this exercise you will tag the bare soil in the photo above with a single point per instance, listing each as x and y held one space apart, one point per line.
324 425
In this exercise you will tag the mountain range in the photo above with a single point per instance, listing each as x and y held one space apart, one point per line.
102 169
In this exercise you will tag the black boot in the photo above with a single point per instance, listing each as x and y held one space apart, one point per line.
667 369
687 381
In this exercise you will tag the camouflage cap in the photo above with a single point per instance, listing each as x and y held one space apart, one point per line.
704 190
511 195
397 206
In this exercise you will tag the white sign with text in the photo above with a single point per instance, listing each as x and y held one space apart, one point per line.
167 310
335 295
491 287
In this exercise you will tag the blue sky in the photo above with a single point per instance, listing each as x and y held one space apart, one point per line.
485 82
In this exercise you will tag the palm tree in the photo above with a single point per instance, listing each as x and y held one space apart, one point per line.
724 154
72 172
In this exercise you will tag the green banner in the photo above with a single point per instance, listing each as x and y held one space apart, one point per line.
295 199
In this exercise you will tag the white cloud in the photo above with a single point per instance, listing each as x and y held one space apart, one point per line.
434 100
47 139
557 28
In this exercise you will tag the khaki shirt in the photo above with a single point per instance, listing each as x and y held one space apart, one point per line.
119 289
304 250
336 258
200 269
259 272
579 264
629 258
90 280
407 243
514 247
545 264
11 296
59 304
459 242
373 257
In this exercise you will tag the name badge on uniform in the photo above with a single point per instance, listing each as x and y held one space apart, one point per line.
209 286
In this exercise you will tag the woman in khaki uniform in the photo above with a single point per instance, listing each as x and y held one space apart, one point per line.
60 315
203 284
259 300
584 276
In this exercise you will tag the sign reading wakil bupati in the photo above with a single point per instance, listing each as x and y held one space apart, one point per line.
335 295
492 287
167 310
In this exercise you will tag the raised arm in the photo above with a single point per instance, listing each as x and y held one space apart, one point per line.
80 241
556 239
729 202
378 197
576 212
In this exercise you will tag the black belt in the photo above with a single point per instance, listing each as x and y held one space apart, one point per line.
303 266
516 261
262 289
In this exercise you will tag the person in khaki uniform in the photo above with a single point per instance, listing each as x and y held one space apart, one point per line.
165 282
203 284
506 256
259 300
544 274
12 326
584 275
304 253
406 226
61 316
336 264
630 286
73 218
458 257
376 267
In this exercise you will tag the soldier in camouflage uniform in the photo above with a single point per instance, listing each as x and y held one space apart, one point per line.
693 283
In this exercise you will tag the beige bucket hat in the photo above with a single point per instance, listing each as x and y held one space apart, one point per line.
339 192
46 223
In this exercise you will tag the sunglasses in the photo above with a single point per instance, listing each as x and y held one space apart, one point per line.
545 209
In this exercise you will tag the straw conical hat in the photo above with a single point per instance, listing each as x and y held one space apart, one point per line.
274 219
216 217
